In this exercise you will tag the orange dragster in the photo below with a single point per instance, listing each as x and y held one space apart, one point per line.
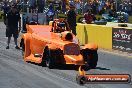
43 45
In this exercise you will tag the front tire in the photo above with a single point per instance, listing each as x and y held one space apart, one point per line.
91 57
93 61
49 59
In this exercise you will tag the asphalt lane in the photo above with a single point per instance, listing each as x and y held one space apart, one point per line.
18 75
113 64
14 73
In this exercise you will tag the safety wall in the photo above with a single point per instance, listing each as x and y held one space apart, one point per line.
99 34
81 33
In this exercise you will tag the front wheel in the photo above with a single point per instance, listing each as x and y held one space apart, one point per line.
91 57
49 59
93 61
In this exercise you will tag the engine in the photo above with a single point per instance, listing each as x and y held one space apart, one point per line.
60 25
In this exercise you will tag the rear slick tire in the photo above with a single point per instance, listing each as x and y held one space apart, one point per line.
91 57
93 61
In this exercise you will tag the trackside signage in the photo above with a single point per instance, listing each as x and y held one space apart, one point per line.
104 78
122 39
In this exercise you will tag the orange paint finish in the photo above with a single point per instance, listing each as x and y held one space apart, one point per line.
39 38
26 38
76 59
91 46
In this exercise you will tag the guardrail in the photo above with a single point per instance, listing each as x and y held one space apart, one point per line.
99 34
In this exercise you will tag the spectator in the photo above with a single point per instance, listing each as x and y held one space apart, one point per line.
129 8
94 7
13 17
100 6
5 8
50 13
78 7
32 5
40 4
71 19
126 17
63 6
87 6
89 17
71 2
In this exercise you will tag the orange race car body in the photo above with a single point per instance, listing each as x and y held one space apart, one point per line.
41 45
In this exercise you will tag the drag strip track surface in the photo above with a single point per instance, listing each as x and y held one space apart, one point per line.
14 73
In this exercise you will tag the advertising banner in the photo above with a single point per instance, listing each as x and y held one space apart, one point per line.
122 39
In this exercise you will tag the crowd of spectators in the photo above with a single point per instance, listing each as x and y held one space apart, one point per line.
97 6
103 6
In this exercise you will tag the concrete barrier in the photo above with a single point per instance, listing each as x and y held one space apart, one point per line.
99 34
91 33
81 33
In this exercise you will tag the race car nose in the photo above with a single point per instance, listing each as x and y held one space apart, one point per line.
74 59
